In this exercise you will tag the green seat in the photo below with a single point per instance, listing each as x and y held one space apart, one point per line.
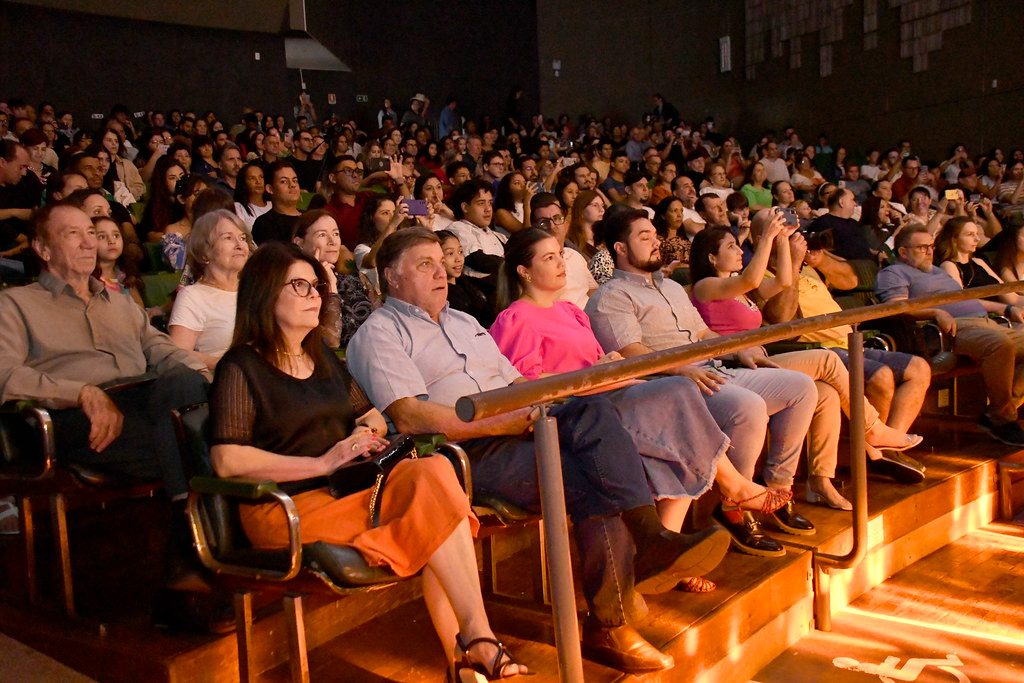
158 287
153 258
304 199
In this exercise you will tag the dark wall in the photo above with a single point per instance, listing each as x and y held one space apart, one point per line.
86 62
475 50
873 97
268 16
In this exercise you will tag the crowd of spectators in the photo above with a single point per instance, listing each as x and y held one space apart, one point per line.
570 241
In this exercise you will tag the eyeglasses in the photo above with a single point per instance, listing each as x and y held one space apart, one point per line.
923 248
303 287
352 172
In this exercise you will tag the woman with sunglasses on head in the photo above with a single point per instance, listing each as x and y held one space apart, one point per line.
276 360
721 285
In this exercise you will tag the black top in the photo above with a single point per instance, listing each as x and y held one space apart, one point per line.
308 172
467 297
252 403
848 236
972 274
273 226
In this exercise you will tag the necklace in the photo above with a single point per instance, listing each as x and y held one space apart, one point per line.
300 354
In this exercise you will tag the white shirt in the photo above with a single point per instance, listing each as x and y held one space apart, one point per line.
210 312
776 169
257 211
870 172
692 216
578 280
358 254
475 239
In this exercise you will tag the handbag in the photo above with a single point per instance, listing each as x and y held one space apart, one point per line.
371 472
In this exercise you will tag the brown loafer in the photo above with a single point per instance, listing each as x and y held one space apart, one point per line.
622 648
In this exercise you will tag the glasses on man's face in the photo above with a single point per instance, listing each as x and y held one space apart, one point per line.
923 248
303 287
352 172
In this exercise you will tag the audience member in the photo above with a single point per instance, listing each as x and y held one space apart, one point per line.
283 189
50 352
639 311
387 359
998 350
203 316
425 519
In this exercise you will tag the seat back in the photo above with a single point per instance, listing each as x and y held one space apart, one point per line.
219 517
26 442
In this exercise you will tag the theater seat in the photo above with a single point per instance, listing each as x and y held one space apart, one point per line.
223 548
29 469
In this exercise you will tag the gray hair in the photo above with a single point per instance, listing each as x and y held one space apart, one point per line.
204 231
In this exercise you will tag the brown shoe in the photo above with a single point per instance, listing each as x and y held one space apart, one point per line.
622 648
671 557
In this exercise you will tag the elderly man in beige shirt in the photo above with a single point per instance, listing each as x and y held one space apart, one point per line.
66 336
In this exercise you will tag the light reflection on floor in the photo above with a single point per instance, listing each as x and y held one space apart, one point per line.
957 615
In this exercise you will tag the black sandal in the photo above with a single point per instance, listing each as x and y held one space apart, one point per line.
479 672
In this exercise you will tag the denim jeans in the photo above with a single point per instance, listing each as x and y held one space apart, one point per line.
602 475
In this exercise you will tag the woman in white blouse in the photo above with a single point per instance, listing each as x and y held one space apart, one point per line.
203 317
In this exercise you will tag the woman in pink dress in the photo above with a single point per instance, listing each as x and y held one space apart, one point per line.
681 445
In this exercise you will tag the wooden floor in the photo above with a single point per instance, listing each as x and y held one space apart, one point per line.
758 602
963 603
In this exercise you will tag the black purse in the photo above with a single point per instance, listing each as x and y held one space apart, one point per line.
371 472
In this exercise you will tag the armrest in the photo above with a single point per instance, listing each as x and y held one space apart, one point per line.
13 439
460 461
249 490
126 383
786 346
1001 319
246 489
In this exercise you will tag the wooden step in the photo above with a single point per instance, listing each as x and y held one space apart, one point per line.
760 609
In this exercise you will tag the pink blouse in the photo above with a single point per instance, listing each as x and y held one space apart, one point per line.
545 340
729 316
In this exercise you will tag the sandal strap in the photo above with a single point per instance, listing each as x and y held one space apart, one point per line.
773 500
497 667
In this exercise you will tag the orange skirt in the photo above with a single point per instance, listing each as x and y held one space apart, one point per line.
421 507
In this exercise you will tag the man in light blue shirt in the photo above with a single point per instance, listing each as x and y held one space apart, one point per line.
415 357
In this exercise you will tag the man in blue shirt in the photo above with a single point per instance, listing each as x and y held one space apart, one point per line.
998 350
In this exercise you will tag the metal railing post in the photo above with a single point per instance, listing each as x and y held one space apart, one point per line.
556 544
825 563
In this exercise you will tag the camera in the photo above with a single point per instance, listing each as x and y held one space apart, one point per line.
818 240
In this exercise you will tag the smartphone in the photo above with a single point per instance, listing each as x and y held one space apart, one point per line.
975 198
952 195
379 164
417 207
163 148
790 217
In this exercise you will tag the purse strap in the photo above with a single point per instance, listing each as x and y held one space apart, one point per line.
377 492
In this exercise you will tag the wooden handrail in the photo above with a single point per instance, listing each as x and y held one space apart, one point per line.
546 389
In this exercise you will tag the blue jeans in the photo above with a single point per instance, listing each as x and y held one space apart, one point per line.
602 475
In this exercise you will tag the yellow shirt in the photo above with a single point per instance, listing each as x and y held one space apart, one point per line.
815 299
